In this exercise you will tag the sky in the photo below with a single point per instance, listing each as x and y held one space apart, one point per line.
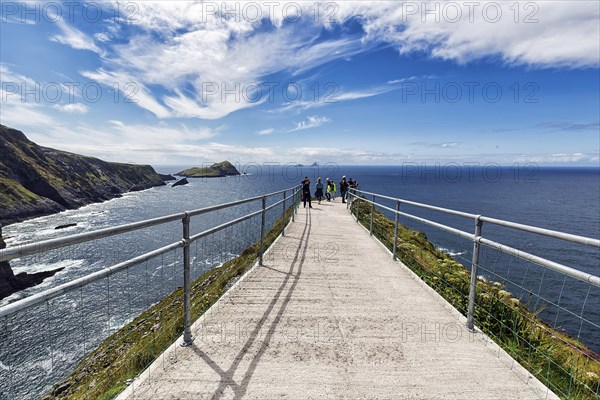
348 82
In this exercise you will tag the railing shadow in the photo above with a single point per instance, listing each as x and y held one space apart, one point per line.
227 376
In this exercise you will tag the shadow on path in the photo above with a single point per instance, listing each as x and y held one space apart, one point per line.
239 389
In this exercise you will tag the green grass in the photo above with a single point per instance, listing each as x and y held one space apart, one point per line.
12 193
104 373
562 363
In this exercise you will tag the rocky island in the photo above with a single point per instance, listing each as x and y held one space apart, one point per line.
36 181
217 170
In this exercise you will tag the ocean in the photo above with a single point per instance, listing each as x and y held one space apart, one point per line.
42 344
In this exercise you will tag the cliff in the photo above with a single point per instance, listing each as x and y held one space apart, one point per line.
36 181
224 168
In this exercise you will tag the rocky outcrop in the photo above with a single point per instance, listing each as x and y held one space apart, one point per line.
224 168
11 283
36 181
167 177
180 182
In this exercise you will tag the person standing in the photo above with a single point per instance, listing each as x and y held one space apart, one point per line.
329 189
319 192
343 188
334 190
306 192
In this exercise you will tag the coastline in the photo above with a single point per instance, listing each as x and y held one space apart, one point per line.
11 283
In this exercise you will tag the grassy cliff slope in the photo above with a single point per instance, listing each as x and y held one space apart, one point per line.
36 180
224 168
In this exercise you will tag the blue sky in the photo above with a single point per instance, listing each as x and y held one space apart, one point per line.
346 82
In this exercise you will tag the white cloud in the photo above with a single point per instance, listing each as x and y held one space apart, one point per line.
182 49
147 144
8 76
75 108
311 122
75 38
18 115
174 49
558 158
15 112
560 33
102 37
342 156
131 89
266 131
445 145
159 134
337 96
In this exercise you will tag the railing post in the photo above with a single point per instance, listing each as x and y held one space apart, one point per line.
297 204
348 197
474 265
396 230
372 213
293 204
357 207
262 231
283 216
187 332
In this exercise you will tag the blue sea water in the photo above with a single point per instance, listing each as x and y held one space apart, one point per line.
564 199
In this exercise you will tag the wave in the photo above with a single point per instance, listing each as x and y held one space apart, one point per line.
450 252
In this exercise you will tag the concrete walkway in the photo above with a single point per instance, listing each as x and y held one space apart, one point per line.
331 316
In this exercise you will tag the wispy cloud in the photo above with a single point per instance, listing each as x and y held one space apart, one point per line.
15 111
9 76
443 145
558 158
559 33
551 126
311 122
75 38
565 126
334 98
131 89
196 48
75 108
268 131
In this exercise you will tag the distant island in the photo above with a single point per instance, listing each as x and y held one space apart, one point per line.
217 170
37 181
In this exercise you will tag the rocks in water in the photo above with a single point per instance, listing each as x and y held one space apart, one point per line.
11 283
180 182
65 226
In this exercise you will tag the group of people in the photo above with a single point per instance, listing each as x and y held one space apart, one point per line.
327 190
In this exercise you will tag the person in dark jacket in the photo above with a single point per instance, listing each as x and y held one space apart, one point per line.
343 188
306 192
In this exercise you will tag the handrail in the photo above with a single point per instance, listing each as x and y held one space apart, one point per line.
13 252
422 205
509 224
51 293
35 248
478 239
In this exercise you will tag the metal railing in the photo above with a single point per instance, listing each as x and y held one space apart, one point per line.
365 203
290 198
